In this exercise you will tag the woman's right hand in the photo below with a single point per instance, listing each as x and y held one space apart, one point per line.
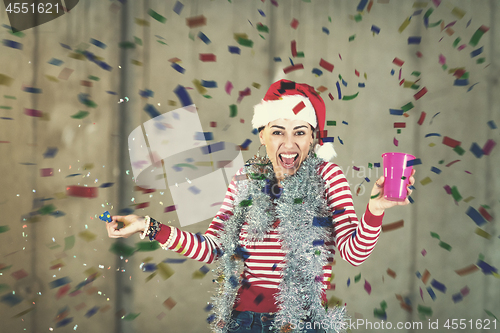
132 224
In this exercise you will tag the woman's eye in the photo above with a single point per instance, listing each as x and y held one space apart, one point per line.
276 133
300 133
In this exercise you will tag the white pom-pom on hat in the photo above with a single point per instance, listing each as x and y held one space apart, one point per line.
326 151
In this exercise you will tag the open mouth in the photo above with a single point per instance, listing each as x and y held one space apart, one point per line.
288 160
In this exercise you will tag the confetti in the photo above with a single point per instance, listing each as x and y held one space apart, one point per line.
156 16
81 191
147 246
482 233
414 40
12 44
178 68
467 270
398 62
146 93
69 242
169 303
175 261
178 7
165 270
455 194
55 62
476 150
361 6
245 42
11 299
451 142
391 273
33 113
204 38
421 93
196 21
349 97
208 57
488 147
234 49
438 285
20 274
194 190
435 170
262 28
297 108
426 277
121 249
87 236
59 282
80 115
97 43
46 172
183 95
289 69
322 221
445 246
368 287
486 268
475 216
130 316
142 205
393 226
485 214
245 144
477 35
491 124
5 80
326 65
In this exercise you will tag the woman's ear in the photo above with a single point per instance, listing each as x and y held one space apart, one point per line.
261 136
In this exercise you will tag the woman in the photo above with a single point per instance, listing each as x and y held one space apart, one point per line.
284 214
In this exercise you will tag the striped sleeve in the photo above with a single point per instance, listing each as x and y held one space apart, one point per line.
205 248
354 239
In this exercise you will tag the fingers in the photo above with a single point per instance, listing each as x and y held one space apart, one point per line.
131 225
380 182
119 218
113 231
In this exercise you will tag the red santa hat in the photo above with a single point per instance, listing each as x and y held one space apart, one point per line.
290 100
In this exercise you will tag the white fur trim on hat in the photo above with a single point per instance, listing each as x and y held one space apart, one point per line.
326 151
267 111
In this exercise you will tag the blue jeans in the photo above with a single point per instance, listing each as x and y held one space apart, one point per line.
254 322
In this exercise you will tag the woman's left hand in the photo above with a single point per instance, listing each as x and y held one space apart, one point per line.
378 204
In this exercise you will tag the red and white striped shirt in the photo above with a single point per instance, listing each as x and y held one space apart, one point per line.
262 268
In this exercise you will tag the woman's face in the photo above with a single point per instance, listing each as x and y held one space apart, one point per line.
287 144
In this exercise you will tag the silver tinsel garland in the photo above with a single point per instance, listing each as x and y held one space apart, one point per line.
302 209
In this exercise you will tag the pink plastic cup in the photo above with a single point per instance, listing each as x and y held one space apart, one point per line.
397 175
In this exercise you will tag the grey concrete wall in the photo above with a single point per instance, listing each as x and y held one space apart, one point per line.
33 249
